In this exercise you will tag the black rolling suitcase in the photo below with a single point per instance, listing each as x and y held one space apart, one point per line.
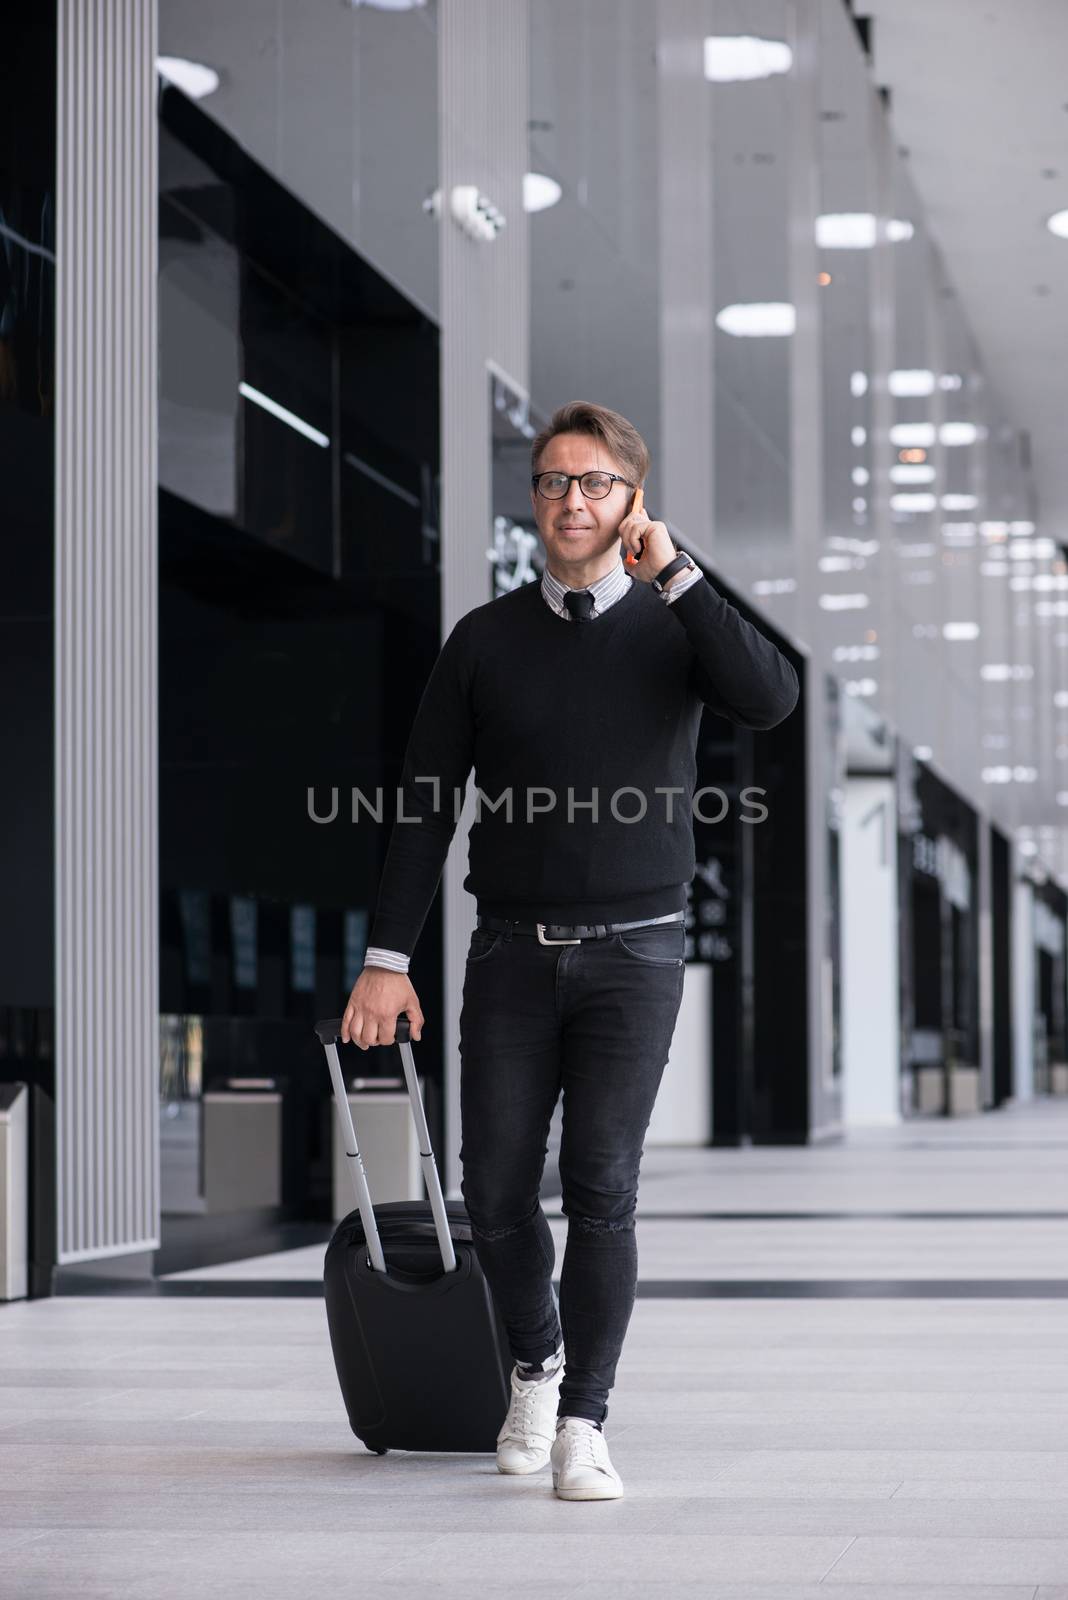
406 1298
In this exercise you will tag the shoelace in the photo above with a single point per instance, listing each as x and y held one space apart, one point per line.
582 1447
521 1413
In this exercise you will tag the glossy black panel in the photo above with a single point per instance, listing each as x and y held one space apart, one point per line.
299 619
939 938
1051 1044
518 553
1001 919
748 916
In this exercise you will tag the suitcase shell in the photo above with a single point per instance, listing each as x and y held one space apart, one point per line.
421 1353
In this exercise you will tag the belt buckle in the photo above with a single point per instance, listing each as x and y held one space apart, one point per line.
541 927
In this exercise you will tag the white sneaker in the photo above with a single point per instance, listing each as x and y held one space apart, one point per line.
526 1435
581 1468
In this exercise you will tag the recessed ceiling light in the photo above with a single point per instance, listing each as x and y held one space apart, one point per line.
772 319
999 672
845 230
913 434
192 77
389 5
539 191
955 433
908 381
1058 224
856 230
739 58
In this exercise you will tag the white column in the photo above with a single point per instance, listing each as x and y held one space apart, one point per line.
106 735
683 1110
806 505
685 181
871 1027
485 317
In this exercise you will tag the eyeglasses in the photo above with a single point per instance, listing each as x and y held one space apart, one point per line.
594 485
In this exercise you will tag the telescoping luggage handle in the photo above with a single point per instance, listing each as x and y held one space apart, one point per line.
329 1034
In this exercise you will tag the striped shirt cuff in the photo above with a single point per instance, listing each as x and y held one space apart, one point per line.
672 594
395 960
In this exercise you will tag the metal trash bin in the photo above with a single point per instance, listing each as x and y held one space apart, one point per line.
14 1191
242 1145
389 1146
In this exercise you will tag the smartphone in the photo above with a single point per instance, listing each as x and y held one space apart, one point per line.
636 505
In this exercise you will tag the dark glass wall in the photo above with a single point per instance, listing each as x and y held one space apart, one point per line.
939 942
1050 1022
1001 921
747 917
27 410
518 555
299 620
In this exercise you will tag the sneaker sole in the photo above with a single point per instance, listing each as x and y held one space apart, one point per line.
609 1492
523 1472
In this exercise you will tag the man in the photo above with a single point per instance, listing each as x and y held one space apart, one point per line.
580 699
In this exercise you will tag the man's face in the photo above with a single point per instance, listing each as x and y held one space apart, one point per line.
578 533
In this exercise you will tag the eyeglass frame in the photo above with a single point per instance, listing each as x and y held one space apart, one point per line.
576 477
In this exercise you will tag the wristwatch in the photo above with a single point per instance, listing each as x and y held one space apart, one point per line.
679 563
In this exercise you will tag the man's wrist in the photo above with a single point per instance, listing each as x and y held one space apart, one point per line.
385 959
685 568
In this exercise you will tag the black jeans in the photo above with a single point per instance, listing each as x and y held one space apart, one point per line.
594 1020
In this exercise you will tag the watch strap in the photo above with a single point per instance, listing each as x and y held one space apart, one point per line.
678 564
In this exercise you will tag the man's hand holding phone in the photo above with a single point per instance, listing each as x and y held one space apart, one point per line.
649 547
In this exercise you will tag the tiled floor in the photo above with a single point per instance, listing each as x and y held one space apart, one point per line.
810 1416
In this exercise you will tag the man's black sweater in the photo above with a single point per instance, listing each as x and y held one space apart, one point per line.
586 711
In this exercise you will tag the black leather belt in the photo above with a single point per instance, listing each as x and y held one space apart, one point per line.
574 933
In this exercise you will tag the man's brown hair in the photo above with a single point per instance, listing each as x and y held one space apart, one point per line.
617 435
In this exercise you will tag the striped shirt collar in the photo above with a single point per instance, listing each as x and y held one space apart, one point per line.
606 591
